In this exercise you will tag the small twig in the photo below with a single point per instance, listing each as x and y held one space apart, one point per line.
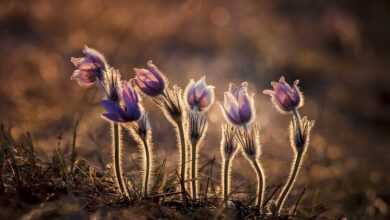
298 201
163 195
73 155
276 189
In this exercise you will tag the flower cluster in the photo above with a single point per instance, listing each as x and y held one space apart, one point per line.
187 111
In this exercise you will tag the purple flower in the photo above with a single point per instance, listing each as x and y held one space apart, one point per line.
127 110
89 68
150 81
285 97
238 107
198 95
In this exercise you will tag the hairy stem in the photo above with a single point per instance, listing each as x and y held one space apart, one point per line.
295 168
260 183
117 159
226 179
194 168
147 168
297 119
183 160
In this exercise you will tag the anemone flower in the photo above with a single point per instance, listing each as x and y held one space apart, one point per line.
150 80
199 96
128 111
285 98
238 107
90 68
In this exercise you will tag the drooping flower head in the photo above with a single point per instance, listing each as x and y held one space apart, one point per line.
238 107
198 95
150 81
128 109
90 68
285 97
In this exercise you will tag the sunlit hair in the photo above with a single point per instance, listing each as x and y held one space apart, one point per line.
248 138
228 149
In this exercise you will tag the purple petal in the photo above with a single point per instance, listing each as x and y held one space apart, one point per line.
111 106
112 117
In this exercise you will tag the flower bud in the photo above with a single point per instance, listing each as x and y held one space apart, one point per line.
198 95
150 81
285 97
89 68
300 136
128 109
228 144
238 107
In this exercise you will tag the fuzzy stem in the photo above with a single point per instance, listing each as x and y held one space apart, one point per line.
117 150
147 167
298 120
226 179
295 168
183 160
260 183
194 168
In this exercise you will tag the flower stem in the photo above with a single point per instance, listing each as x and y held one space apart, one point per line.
297 119
183 161
147 168
260 183
226 179
117 159
290 182
194 168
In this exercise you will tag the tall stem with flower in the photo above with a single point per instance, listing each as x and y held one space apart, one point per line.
198 97
239 111
288 100
152 82
93 69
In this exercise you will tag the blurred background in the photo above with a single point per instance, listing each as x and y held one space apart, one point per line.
339 50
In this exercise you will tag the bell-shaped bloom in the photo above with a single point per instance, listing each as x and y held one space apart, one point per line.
89 68
285 97
150 81
238 107
128 109
198 95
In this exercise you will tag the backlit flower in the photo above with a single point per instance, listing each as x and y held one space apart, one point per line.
89 68
128 109
285 97
150 81
238 107
198 95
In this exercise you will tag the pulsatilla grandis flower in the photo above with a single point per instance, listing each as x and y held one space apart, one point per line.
238 107
150 81
128 109
198 95
285 97
89 68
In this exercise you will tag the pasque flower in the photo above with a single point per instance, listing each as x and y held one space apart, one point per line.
128 109
150 81
285 97
198 95
238 107
89 68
